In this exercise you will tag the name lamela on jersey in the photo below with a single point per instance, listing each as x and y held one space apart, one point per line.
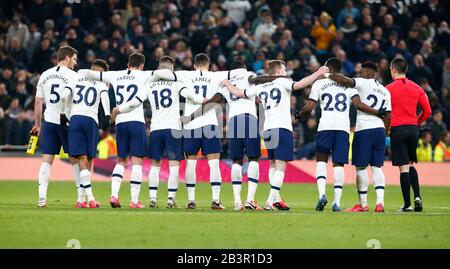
201 79
161 83
55 76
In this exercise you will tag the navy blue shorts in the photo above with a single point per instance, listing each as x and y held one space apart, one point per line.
83 136
166 142
368 147
243 136
53 137
279 144
334 141
131 139
206 138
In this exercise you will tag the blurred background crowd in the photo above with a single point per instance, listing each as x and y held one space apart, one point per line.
303 33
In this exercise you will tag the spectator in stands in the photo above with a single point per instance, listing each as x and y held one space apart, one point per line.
18 30
348 10
236 10
19 131
441 152
14 109
265 27
324 32
437 127
446 73
5 98
418 70
348 67
424 148
3 127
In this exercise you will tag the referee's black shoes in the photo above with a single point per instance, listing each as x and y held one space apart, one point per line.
418 205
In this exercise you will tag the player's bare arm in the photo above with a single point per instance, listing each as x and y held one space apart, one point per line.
306 81
206 106
310 105
37 116
263 79
356 101
233 89
341 79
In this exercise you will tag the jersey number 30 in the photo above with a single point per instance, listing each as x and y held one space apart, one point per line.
85 95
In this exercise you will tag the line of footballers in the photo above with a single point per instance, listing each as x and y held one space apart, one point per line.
72 100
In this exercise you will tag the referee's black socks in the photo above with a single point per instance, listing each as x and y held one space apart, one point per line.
414 178
405 184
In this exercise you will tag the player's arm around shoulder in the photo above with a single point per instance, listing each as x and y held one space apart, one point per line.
343 80
306 81
311 103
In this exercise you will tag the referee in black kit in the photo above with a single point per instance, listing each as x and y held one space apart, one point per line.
405 97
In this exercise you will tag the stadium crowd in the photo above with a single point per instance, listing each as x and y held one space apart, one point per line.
303 33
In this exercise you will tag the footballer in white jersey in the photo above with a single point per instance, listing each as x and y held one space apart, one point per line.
202 133
129 87
275 98
334 128
165 129
84 95
242 134
54 135
369 141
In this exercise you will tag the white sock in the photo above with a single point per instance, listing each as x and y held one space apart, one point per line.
44 174
80 189
338 174
253 177
215 178
135 182
236 181
191 178
153 182
362 183
172 182
85 176
379 183
271 173
321 177
275 187
116 179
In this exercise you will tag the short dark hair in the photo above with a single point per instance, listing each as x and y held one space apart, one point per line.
370 65
400 64
237 65
201 59
136 59
273 66
101 63
166 59
65 51
334 64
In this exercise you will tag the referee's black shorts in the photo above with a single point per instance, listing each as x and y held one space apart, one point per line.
404 139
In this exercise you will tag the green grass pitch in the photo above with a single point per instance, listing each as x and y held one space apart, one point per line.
23 225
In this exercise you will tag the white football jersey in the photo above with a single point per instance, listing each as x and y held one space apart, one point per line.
334 100
276 99
128 84
205 84
374 95
85 96
50 86
164 97
238 106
